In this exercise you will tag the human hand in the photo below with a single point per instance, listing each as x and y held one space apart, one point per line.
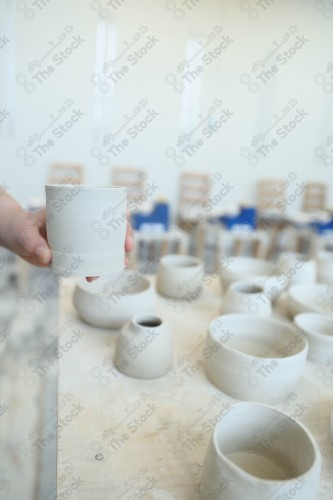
24 233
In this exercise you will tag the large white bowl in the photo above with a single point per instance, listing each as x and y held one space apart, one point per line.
259 453
260 272
111 301
318 330
254 358
309 298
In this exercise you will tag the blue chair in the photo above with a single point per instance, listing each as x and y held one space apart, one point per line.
247 218
159 215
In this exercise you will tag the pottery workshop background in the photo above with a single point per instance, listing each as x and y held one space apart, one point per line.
242 88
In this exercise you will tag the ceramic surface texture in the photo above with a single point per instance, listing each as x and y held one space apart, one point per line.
318 330
246 298
144 347
254 358
180 277
86 228
258 453
111 301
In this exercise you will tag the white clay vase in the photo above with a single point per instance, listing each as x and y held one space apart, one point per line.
245 297
144 347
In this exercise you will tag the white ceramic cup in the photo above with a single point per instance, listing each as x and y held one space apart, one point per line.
297 268
180 276
259 453
86 229
111 301
246 298
254 358
318 330
144 347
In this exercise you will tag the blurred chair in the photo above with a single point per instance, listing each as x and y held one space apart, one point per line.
134 179
215 241
157 217
150 246
270 201
315 196
66 173
270 194
194 193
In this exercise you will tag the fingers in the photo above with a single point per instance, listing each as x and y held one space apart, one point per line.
129 240
30 244
43 254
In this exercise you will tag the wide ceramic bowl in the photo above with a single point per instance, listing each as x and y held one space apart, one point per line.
180 276
245 298
111 301
254 358
260 272
318 330
259 453
309 298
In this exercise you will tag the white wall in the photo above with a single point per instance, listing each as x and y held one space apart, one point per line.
253 112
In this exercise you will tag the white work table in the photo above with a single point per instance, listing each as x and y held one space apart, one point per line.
123 438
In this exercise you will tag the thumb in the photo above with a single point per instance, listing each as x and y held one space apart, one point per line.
43 252
35 245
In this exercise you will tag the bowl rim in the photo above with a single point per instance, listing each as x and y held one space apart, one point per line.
317 457
82 284
248 318
316 334
166 261
291 292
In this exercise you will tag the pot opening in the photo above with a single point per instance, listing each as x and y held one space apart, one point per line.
148 321
243 288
